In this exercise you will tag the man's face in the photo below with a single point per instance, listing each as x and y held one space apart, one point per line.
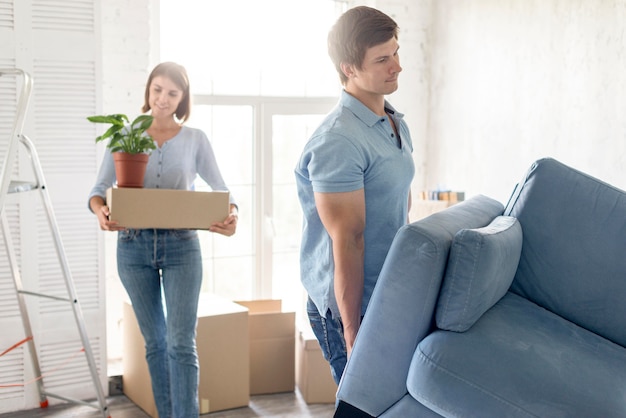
379 72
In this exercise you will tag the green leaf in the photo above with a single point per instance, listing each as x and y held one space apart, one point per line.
144 120
117 119
110 132
125 136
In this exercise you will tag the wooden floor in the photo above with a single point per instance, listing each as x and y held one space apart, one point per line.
283 405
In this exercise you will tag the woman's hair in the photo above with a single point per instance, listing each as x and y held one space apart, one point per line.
178 75
354 32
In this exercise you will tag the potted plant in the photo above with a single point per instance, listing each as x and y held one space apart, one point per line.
130 145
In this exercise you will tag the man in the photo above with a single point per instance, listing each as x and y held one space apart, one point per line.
353 181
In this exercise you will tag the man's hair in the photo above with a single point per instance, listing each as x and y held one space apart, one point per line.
178 75
354 32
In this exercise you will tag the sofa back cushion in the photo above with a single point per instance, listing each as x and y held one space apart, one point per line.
481 267
573 260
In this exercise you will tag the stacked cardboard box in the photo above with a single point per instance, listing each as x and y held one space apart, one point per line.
272 347
244 348
313 376
222 341
136 379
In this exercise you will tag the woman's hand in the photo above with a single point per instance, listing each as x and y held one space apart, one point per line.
229 225
102 212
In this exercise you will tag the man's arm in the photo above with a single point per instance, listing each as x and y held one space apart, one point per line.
343 216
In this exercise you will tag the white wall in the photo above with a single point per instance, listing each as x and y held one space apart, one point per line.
517 80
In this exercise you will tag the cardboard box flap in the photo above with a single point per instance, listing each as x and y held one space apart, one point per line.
268 321
308 340
262 305
211 305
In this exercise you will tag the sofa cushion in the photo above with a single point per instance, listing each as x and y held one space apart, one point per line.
520 360
481 267
573 260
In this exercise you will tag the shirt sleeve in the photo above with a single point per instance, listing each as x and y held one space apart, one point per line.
334 164
106 178
208 168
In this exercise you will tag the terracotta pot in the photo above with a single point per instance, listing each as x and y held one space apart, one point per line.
130 169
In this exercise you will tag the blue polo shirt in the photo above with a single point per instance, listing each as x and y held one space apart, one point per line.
353 149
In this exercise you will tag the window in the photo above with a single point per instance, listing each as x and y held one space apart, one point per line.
252 47
261 83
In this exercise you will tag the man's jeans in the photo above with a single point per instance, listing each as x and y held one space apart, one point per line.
329 333
157 263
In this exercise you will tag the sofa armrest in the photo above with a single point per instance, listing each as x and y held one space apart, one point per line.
402 308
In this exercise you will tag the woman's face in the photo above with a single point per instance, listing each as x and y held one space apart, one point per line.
164 98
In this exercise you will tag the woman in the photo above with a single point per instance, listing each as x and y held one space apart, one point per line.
152 262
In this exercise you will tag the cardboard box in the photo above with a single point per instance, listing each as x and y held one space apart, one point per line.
272 347
136 377
162 208
313 375
222 341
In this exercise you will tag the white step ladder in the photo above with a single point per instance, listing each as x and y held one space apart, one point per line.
8 187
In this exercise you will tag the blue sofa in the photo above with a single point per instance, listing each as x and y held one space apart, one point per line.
487 311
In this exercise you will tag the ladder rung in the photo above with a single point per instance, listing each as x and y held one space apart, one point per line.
22 186
42 295
73 400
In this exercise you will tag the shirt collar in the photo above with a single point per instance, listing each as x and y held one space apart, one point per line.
363 112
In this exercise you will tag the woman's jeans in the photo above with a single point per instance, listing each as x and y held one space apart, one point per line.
329 333
160 263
